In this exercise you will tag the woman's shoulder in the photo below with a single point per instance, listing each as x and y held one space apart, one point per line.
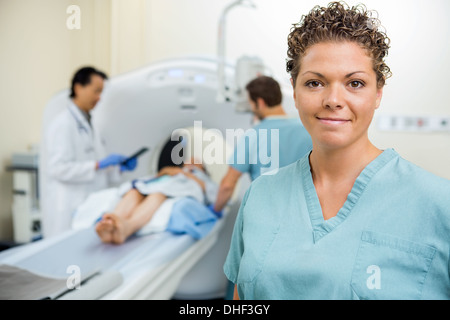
415 172
279 177
419 181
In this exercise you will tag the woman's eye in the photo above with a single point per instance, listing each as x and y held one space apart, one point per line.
356 84
313 84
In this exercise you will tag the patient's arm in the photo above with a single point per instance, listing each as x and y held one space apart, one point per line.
226 189
193 177
171 171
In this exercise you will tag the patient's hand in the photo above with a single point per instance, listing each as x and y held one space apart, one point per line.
191 166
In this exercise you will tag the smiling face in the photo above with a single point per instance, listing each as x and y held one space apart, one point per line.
336 94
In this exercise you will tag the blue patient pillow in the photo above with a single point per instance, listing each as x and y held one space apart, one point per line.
191 217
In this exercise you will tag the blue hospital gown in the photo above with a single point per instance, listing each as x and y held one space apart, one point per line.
390 240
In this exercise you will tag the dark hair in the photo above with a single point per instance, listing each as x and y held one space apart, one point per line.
339 22
265 88
83 77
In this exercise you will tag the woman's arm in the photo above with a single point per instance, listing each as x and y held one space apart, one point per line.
236 294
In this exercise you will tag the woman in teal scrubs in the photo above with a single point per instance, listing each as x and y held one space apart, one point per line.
347 221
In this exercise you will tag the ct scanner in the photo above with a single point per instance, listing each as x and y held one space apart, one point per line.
144 108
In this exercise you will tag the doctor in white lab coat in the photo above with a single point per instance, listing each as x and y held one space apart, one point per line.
76 160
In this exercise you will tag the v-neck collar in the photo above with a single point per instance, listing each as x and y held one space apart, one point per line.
322 227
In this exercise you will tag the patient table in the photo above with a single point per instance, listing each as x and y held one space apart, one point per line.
145 267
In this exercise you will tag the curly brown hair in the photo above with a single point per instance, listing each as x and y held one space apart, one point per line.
339 22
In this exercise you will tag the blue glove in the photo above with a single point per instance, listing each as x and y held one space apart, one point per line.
129 165
111 160
218 214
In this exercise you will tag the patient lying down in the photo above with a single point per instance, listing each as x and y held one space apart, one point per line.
137 207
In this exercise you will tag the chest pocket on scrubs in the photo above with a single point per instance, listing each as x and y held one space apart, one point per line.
389 268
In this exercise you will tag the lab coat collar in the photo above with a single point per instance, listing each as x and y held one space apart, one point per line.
79 116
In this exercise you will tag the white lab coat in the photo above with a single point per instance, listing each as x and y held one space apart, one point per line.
72 149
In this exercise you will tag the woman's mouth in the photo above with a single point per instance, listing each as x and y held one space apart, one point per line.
333 121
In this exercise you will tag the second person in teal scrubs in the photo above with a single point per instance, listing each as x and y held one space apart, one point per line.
347 221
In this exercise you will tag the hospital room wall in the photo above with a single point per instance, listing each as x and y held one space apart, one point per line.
38 56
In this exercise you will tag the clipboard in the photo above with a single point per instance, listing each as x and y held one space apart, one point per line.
136 154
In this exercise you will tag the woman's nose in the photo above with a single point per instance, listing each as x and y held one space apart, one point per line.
334 97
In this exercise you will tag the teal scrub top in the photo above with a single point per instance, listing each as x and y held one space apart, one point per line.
253 153
390 240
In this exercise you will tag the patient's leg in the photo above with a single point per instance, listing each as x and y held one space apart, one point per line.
129 202
125 227
104 229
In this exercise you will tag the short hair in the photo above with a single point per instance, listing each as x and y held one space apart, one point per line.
83 76
266 88
339 22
